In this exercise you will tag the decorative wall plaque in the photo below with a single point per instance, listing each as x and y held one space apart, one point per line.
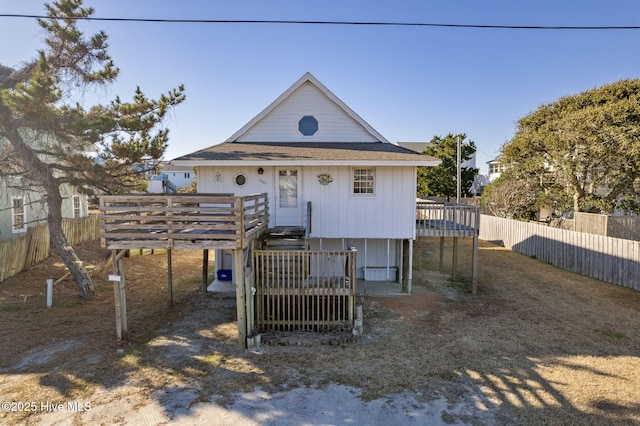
325 179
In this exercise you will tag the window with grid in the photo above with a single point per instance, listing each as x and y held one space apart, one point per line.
77 206
18 219
363 181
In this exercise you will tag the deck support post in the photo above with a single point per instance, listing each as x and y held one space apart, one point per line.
205 270
441 265
474 266
248 291
474 255
410 279
119 294
238 273
405 266
169 277
454 269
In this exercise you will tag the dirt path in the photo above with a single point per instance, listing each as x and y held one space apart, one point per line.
536 346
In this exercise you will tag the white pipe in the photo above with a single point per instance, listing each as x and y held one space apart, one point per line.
364 269
388 256
49 292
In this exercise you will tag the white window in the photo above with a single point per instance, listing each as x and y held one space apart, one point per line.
364 182
18 216
77 206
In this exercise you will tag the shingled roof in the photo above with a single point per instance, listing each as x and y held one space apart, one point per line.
307 153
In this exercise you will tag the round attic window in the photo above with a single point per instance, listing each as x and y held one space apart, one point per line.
308 125
240 179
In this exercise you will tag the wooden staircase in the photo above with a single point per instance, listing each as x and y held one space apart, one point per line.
285 238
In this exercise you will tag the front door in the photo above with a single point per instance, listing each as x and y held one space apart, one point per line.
288 209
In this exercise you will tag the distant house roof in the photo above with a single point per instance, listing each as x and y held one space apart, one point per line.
415 146
169 167
307 153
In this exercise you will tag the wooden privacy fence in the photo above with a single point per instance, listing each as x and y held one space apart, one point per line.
18 254
302 289
626 227
608 259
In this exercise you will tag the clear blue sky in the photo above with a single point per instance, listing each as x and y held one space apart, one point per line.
409 83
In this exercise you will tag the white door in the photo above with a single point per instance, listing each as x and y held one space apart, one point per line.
288 209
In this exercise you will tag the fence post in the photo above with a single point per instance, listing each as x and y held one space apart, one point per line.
49 292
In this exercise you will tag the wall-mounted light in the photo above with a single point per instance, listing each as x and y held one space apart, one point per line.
260 171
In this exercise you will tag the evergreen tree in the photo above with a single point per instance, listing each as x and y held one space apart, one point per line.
50 141
583 150
441 181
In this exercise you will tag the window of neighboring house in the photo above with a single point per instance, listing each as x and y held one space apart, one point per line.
364 182
187 175
18 215
77 206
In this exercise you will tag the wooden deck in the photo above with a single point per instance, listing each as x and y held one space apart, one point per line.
447 220
450 220
193 221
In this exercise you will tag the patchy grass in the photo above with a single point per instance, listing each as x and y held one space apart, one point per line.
537 345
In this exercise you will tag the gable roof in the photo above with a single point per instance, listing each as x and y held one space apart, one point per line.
240 150
307 78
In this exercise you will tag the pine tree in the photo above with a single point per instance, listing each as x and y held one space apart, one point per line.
51 141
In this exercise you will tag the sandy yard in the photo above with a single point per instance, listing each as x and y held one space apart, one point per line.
537 345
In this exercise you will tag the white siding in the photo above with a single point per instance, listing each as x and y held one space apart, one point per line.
281 125
390 213
220 180
373 253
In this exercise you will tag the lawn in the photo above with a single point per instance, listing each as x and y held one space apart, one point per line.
537 345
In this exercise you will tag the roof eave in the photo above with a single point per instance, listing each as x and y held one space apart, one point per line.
279 163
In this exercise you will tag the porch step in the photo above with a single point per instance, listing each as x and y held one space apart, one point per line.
285 238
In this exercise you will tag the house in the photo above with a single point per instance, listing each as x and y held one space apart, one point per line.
326 171
171 176
23 207
302 205
495 169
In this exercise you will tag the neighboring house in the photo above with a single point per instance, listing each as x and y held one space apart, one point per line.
23 208
495 169
325 169
171 176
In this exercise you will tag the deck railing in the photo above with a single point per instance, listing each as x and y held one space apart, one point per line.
447 219
181 220
304 289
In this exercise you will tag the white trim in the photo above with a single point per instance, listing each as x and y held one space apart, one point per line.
73 206
365 195
307 78
15 230
292 163
302 134
236 176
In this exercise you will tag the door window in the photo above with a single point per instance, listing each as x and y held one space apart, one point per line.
288 188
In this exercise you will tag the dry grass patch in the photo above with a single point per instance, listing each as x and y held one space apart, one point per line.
537 345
